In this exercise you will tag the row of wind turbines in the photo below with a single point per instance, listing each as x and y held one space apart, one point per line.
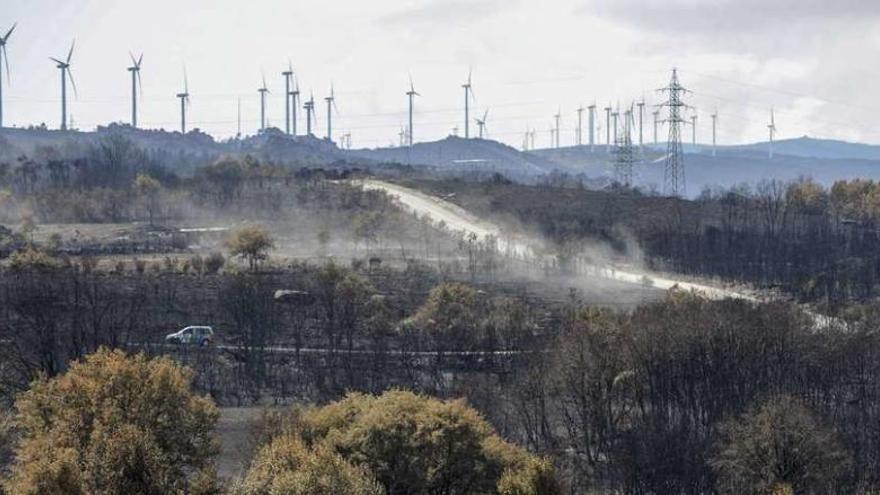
293 100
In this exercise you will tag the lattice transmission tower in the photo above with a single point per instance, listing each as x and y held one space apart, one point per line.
624 152
673 177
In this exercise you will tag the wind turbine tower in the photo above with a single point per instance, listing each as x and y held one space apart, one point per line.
331 105
468 94
608 128
556 117
641 106
288 74
772 129
135 70
184 102
263 90
614 116
4 57
64 67
674 178
309 107
714 126
592 121
294 97
411 94
580 136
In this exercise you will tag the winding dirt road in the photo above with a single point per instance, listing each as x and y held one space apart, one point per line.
457 219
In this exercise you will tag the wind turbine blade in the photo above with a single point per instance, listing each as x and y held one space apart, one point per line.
9 33
131 56
185 81
140 59
412 86
470 73
140 85
72 84
485 114
70 53
56 60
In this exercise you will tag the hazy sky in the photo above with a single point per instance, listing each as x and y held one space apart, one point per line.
815 61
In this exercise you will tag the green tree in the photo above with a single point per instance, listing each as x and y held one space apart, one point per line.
252 244
450 315
414 444
780 447
113 424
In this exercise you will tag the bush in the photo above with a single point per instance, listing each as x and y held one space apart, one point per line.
113 424
32 259
213 263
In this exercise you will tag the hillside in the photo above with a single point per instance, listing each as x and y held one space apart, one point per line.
455 154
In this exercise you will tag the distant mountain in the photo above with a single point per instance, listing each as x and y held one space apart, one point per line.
815 148
823 160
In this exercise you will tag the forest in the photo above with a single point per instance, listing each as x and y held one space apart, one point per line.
384 353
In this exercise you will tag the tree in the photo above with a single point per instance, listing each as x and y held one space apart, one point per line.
780 447
252 244
286 465
450 315
148 189
414 444
113 424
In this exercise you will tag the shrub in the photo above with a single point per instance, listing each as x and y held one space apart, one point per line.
213 263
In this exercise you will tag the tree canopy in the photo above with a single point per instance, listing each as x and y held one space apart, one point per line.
252 244
413 444
113 424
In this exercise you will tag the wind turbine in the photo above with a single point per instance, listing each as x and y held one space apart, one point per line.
309 107
263 90
714 125
331 105
614 116
294 96
4 58
135 70
556 117
608 128
481 123
184 102
580 131
65 72
288 74
468 95
592 119
772 129
641 106
411 94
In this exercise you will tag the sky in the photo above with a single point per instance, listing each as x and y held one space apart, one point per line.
813 61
